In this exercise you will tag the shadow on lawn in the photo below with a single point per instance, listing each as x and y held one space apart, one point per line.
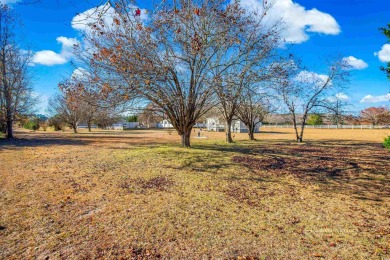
361 169
36 142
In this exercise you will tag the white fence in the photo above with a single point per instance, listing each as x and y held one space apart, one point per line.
332 126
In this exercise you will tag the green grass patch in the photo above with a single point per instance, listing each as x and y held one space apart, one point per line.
386 142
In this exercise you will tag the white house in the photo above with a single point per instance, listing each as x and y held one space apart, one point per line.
164 124
239 127
117 127
213 124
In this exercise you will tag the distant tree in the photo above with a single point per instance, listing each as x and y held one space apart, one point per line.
386 32
384 118
302 91
314 119
64 107
228 91
375 115
16 93
337 108
151 114
132 118
252 108
57 122
231 85
106 117
32 124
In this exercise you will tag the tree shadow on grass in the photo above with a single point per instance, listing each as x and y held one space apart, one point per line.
18 143
361 169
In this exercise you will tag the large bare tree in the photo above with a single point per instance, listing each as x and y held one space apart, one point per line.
176 56
16 94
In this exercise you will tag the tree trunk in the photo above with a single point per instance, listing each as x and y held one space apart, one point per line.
251 133
296 131
89 126
10 133
185 139
74 129
300 137
229 138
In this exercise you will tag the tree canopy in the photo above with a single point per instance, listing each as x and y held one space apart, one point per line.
386 32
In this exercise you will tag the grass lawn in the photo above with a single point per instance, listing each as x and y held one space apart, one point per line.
137 194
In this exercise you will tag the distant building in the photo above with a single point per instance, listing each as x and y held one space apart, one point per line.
213 124
85 126
164 124
131 125
239 127
200 125
118 126
122 125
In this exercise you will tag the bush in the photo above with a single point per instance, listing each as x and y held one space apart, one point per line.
57 123
133 118
314 119
32 124
44 125
386 142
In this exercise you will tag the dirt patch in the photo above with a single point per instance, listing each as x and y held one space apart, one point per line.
310 161
140 185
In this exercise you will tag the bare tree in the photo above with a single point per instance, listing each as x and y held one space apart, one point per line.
252 108
302 90
105 118
65 108
337 107
375 115
15 90
151 114
176 57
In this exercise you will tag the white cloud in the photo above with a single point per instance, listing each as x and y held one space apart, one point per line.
297 20
67 42
311 78
342 96
375 99
80 73
83 20
355 63
50 58
384 53
4 2
338 97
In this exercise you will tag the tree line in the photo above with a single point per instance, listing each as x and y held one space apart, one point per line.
190 57
185 59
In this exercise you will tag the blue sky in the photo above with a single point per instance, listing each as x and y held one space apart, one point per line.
319 29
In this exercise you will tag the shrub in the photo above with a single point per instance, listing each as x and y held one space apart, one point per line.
133 118
314 119
32 124
386 142
44 125
57 123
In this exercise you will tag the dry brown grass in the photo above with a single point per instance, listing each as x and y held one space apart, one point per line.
137 194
